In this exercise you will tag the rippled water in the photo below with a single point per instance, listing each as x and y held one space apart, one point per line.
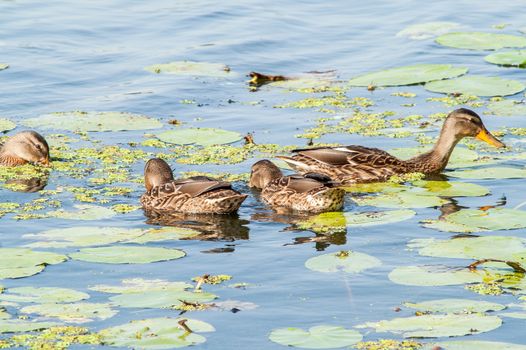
90 56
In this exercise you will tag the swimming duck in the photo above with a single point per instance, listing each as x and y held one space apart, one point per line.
306 193
24 147
358 164
196 195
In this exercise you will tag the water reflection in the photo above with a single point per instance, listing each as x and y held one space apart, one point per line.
33 184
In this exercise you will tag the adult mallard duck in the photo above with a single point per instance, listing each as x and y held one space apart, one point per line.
24 147
358 164
306 193
196 195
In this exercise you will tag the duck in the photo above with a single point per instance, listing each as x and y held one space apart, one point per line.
313 193
25 147
358 164
194 195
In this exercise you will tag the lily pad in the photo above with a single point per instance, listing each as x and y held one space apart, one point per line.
199 136
161 298
489 173
93 121
127 254
452 189
433 276
474 345
507 108
165 234
409 75
43 295
6 124
431 326
515 58
156 333
346 261
447 226
365 219
3 66
74 313
405 199
480 41
317 337
456 306
139 285
17 325
191 68
491 219
427 30
84 212
476 85
19 262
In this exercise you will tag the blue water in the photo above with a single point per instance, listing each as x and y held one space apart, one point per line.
90 55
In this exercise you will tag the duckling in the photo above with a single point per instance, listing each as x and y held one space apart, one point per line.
305 193
358 164
195 195
25 147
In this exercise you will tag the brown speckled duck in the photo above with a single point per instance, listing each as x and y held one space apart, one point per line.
306 193
195 195
358 164
24 147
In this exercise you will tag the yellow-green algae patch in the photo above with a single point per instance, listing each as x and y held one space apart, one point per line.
54 338
389 344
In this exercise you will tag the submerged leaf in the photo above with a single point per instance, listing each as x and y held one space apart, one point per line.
347 261
477 85
480 41
455 306
84 212
427 30
191 68
127 254
199 136
317 337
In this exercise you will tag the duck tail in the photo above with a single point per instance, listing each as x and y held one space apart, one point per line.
295 164
230 204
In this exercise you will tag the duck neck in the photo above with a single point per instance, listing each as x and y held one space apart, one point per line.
436 160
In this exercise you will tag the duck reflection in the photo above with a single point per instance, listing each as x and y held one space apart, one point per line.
33 184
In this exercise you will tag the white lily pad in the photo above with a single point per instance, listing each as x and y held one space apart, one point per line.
74 313
427 30
43 295
3 66
317 337
405 199
491 219
480 41
17 325
93 121
84 212
433 276
191 68
346 261
431 326
474 345
19 262
489 173
477 85
127 254
455 306
6 124
139 285
161 298
199 136
408 75
507 108
156 333
516 58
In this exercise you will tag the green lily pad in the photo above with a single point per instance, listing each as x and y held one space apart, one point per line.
515 58
452 189
480 41
199 136
19 262
43 295
409 75
489 173
127 254
317 337
164 234
156 333
491 219
507 108
324 223
191 68
93 121
74 313
139 285
82 236
6 124
3 66
347 261
446 226
474 345
161 298
433 276
84 212
476 85
427 30
432 326
405 199
455 306
365 219
17 325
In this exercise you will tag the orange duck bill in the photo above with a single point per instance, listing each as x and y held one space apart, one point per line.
486 136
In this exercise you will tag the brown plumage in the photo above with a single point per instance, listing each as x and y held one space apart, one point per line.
24 147
196 195
306 193
358 164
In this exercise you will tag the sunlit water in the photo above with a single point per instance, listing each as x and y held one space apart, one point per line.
90 56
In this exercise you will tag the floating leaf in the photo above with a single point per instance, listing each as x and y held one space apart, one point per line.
75 312
19 262
451 189
507 108
474 345
431 326
93 121
405 199
127 254
480 41
161 298
199 136
347 261
317 337
3 66
515 58
446 226
455 306
191 68
165 234
408 75
378 217
433 276
491 219
6 124
42 295
476 85
427 30
489 173
17 325
156 333
84 212
139 285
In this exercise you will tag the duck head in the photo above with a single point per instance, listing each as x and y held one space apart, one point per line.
156 173
26 147
263 172
464 122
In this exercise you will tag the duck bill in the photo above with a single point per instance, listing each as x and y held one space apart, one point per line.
45 162
486 136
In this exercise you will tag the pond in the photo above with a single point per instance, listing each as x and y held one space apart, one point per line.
63 66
